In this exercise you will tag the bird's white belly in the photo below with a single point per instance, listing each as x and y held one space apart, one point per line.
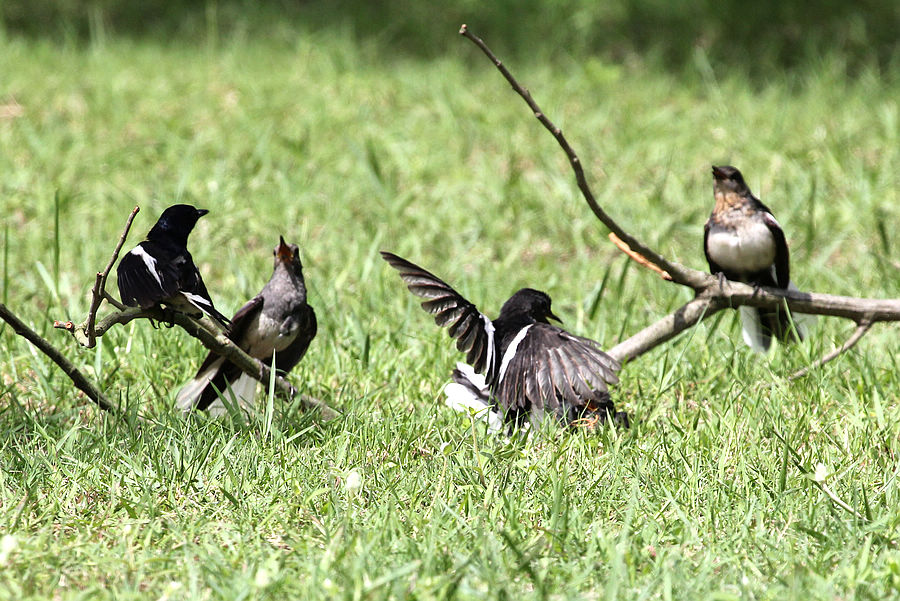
751 249
269 337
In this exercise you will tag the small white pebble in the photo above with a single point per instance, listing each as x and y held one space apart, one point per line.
821 473
8 544
353 482
263 578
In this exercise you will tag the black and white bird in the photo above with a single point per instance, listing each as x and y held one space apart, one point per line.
522 367
277 320
160 269
744 242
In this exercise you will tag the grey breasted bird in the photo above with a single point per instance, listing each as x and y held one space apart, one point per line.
278 320
744 242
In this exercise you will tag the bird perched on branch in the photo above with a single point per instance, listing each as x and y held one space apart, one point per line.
525 366
744 242
160 269
275 320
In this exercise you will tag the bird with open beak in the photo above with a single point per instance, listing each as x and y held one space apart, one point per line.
277 320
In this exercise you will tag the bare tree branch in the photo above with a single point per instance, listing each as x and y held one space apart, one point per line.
711 294
79 379
680 273
98 292
211 337
639 259
665 329
860 331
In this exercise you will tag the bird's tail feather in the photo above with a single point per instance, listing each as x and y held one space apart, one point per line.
207 307
752 330
189 394
240 395
761 325
469 393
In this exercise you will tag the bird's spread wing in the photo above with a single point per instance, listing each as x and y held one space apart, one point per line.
551 369
145 279
473 331
782 255
286 359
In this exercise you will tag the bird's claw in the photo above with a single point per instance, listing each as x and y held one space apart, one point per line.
722 279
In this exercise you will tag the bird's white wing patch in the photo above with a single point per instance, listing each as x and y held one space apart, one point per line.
489 330
463 399
511 351
149 262
196 301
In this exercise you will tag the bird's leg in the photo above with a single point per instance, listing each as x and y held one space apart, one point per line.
722 279
169 316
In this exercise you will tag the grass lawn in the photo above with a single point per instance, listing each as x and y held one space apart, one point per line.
733 482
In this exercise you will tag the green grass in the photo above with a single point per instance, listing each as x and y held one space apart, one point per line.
347 148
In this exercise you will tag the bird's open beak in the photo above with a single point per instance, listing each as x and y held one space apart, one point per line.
552 316
718 173
284 252
202 212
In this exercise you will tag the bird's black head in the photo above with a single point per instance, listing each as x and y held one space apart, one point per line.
176 223
287 255
728 179
530 303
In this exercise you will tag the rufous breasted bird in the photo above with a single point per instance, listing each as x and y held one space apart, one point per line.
744 242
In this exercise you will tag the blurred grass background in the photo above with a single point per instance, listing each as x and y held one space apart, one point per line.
355 126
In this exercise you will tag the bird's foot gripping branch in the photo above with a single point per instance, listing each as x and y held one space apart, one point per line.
711 294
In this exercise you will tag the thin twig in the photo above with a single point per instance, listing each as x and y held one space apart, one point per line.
98 292
113 301
639 259
859 332
679 273
81 382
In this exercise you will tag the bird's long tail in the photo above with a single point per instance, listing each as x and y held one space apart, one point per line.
760 326
207 307
216 388
189 396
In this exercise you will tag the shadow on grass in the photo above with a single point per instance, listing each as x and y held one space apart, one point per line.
751 36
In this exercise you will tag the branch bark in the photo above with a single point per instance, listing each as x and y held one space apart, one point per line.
98 292
860 331
79 379
711 295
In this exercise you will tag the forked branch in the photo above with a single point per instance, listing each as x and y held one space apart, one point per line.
711 295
